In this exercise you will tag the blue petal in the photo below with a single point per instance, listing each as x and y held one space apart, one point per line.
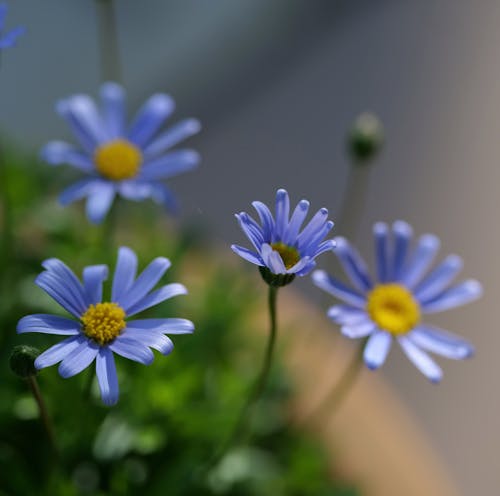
162 294
172 136
52 286
170 165
299 267
346 315
316 225
93 277
313 242
57 352
456 296
441 342
79 359
306 269
81 114
421 360
354 266
272 259
106 376
125 272
162 195
380 235
132 349
59 152
144 283
113 109
376 349
166 326
99 201
9 39
420 260
48 324
328 245
298 217
68 279
248 255
338 289
403 234
78 190
150 118
282 213
155 340
135 190
252 230
267 221
361 330
439 279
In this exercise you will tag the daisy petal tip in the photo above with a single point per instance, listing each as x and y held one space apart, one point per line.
380 228
371 365
402 227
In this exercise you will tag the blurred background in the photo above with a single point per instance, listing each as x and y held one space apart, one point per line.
276 85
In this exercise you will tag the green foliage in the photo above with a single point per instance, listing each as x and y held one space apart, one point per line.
173 415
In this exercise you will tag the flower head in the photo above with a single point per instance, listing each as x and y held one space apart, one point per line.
9 39
100 328
391 307
279 247
119 159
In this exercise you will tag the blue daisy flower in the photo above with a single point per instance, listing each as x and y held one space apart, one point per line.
100 328
391 307
279 247
119 159
9 39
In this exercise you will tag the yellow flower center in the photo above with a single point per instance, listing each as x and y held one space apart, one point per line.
288 254
103 322
118 159
393 308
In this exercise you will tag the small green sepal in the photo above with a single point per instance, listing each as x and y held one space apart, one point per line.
276 280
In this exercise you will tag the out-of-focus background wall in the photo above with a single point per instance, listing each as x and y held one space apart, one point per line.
276 84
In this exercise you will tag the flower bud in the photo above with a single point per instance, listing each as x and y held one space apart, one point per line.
365 138
22 360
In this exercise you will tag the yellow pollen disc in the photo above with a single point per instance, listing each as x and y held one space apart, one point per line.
103 322
288 254
118 159
393 308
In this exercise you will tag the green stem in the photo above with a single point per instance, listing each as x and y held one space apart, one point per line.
353 200
339 392
259 386
44 414
108 41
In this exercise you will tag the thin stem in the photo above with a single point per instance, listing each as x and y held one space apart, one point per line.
259 386
353 200
339 392
6 205
108 41
47 423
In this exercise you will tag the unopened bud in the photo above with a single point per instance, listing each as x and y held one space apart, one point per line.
365 138
22 360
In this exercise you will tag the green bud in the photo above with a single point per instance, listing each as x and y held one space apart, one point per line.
22 360
276 280
365 138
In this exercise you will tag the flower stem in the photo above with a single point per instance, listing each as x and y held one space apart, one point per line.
108 41
353 200
255 393
44 414
339 392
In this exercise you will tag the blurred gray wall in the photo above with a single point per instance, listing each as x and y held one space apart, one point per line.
276 84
